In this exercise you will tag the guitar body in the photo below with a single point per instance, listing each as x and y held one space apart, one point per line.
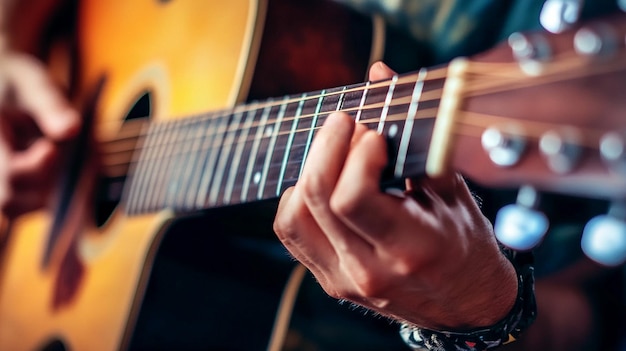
82 284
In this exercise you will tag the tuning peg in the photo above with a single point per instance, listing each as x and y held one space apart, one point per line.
597 40
559 15
520 226
613 151
560 149
504 148
604 236
622 4
531 51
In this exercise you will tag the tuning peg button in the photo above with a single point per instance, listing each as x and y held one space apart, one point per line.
604 237
561 150
559 15
520 226
531 52
598 40
613 151
504 149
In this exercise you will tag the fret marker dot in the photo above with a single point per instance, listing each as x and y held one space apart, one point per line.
257 178
393 130
269 131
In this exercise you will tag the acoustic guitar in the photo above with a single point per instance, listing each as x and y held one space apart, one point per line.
75 275
155 169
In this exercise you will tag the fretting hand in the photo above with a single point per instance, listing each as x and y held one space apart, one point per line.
428 257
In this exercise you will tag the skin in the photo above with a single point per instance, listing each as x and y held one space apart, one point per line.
427 256
35 121
401 261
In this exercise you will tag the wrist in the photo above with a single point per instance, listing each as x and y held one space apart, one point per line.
497 295
509 328
485 298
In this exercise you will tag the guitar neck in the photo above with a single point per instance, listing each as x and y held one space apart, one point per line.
254 151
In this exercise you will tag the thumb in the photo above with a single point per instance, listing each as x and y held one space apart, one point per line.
380 71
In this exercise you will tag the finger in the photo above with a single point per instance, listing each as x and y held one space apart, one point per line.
379 71
40 97
396 219
34 164
446 186
359 195
322 170
359 131
299 233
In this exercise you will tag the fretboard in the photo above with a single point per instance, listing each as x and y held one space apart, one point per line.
255 151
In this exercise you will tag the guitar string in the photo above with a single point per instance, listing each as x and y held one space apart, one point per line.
485 69
131 134
408 78
127 152
531 130
470 92
134 130
511 82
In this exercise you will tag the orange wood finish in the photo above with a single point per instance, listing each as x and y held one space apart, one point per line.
89 294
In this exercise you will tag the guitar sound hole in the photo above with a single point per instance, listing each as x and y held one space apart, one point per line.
110 186
54 345
142 108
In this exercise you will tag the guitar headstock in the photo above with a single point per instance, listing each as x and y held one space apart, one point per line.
547 110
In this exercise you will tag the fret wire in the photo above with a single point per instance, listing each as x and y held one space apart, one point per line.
341 98
137 177
205 125
383 115
209 167
405 143
270 148
400 101
155 165
180 154
228 192
409 78
408 127
161 147
362 103
421 114
186 173
157 198
223 159
186 170
260 132
313 127
441 74
288 148
149 170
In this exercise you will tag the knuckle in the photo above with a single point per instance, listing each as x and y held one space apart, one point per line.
346 205
404 266
338 294
313 187
367 284
284 226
